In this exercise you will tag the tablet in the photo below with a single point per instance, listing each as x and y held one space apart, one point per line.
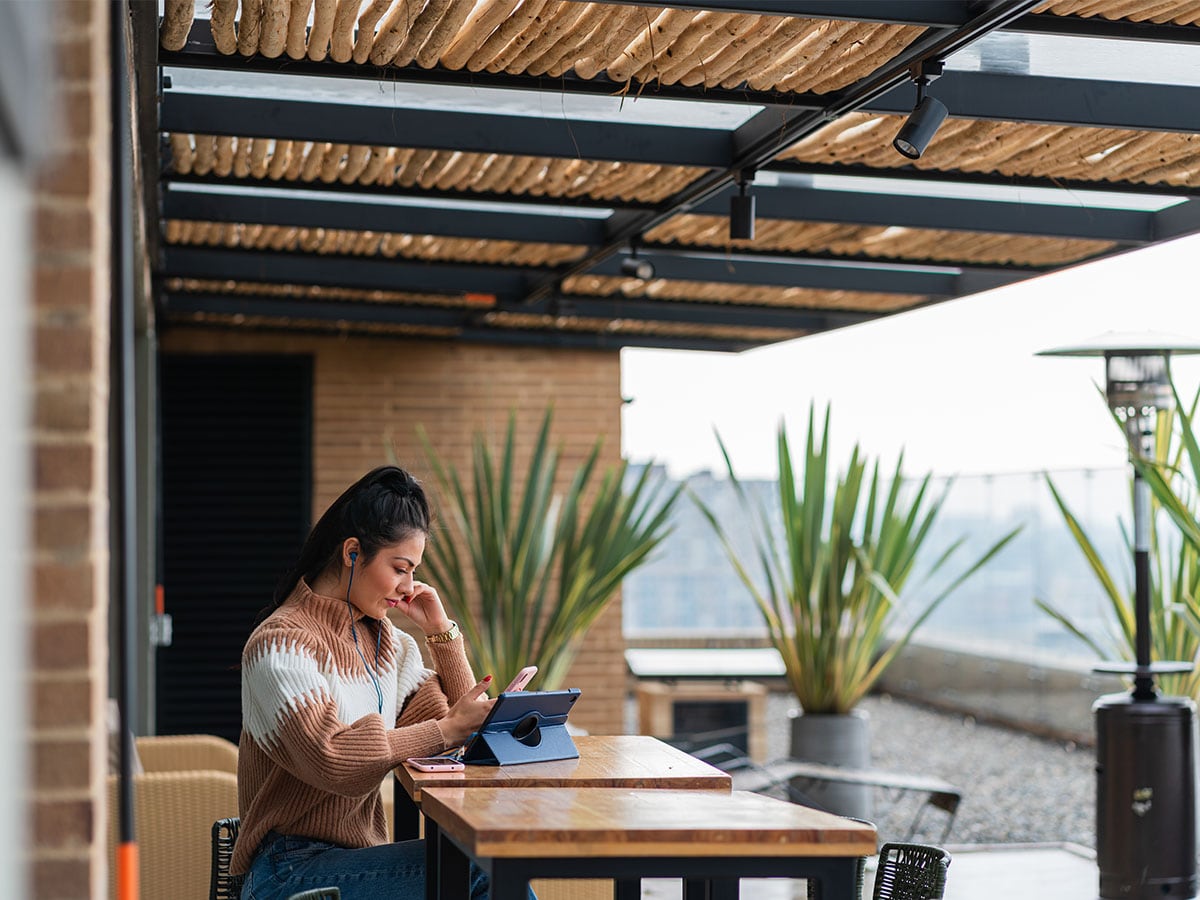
524 726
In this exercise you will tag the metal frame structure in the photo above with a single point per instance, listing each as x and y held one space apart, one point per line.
713 289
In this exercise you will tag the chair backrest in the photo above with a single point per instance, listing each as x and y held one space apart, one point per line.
179 752
222 885
173 817
911 872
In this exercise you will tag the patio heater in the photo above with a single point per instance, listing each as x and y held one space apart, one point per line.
1145 742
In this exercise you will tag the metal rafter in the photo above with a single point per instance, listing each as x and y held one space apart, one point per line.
343 212
938 14
824 274
312 210
368 273
1039 99
472 132
468 326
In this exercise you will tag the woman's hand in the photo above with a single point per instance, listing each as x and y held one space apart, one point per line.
424 607
465 716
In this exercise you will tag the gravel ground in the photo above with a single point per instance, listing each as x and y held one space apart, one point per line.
1017 788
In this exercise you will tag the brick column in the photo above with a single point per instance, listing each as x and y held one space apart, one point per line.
69 577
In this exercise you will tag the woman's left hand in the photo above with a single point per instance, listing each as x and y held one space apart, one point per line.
424 607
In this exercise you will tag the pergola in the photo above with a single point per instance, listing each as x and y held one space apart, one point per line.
479 170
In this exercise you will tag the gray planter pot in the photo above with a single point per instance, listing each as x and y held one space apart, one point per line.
834 740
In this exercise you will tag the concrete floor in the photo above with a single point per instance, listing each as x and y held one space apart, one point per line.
994 872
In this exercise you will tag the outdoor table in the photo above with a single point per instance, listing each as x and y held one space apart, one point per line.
626 761
605 761
710 839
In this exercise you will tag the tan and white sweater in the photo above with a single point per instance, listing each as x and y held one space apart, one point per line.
314 747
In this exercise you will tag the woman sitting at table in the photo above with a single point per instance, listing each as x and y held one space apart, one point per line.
334 697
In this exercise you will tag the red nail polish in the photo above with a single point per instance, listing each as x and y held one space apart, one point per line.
487 677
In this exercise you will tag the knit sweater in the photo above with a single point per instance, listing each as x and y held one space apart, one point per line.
314 746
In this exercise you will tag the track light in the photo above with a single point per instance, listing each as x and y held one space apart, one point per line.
741 209
636 268
925 119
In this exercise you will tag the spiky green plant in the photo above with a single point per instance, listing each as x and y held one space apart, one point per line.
1174 567
830 591
543 564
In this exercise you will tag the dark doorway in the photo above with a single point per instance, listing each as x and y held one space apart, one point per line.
236 505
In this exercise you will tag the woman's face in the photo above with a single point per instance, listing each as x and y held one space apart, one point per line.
387 579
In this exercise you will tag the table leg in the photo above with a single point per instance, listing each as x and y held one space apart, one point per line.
406 816
509 880
711 888
453 876
840 880
433 867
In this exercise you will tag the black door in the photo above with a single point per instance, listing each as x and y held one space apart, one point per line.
236 492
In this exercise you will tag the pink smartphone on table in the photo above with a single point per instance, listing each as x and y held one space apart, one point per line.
522 679
435 764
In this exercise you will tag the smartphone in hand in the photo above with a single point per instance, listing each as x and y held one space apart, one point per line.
435 764
522 679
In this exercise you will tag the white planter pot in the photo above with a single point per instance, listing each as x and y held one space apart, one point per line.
834 740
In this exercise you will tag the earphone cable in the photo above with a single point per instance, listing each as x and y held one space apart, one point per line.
374 676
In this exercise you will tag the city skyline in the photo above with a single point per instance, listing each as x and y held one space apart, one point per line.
956 385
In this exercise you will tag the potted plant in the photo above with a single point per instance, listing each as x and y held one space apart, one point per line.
542 563
1175 567
831 589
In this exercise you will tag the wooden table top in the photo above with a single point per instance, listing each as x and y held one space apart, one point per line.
605 761
601 822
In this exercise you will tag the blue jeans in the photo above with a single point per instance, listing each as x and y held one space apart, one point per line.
288 865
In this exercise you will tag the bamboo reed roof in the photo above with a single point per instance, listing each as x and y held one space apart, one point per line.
482 169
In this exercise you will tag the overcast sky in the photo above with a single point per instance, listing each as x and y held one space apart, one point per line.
957 385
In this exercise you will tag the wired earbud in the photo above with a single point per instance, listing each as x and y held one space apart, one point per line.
374 676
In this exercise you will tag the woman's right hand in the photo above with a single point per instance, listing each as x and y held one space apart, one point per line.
466 715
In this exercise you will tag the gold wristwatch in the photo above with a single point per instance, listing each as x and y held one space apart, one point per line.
444 637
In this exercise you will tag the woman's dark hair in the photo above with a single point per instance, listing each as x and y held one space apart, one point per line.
384 506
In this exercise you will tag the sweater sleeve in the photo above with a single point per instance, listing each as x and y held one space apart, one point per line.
432 700
290 713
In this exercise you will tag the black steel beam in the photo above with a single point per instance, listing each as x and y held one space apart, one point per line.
395 190
953 214
795 204
339 316
698 312
1178 220
354 214
554 136
888 278
994 96
937 14
906 173
1045 100
368 273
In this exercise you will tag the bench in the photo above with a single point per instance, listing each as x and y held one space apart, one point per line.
783 775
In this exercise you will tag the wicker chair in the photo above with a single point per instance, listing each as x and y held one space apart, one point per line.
184 752
173 815
911 872
222 885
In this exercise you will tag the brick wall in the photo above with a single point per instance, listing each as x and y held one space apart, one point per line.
369 394
69 577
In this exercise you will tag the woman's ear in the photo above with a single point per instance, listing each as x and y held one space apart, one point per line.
350 551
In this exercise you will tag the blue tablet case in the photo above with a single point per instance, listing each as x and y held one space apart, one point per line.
524 727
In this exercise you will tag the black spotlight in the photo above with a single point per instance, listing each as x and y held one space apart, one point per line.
637 268
741 211
925 119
